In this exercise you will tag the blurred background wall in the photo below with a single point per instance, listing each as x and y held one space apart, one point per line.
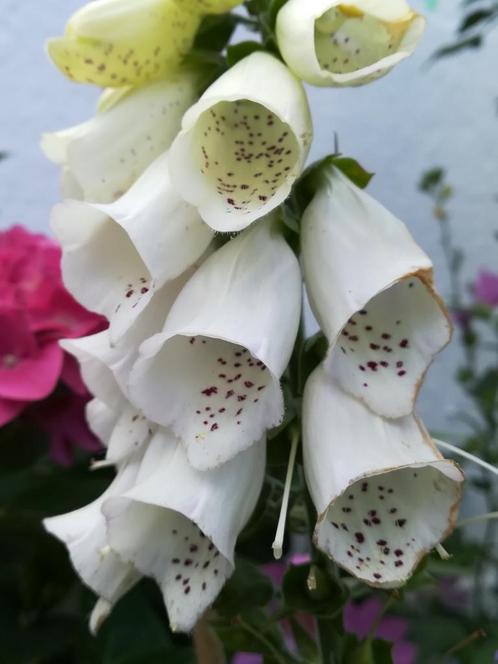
421 115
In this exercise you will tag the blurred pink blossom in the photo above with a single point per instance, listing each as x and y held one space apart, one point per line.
35 312
486 288
359 619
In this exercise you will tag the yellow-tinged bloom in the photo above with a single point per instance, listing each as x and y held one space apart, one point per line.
118 43
210 6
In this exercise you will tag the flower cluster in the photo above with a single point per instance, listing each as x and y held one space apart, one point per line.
174 232
35 312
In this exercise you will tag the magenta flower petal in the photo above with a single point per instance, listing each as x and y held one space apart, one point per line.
31 377
71 375
9 410
486 288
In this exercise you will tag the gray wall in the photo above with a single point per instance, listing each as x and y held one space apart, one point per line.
417 117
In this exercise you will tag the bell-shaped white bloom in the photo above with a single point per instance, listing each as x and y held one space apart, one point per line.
384 495
130 247
329 43
119 43
243 143
370 288
179 525
83 531
103 157
101 419
213 373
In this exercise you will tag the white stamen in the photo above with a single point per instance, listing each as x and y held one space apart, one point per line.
443 554
311 580
467 455
100 612
477 519
97 465
279 535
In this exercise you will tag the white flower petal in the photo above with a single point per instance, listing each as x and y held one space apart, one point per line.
131 431
243 144
179 525
131 247
370 288
101 419
83 531
329 43
213 373
383 493
106 154
93 353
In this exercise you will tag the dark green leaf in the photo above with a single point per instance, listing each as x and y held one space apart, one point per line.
215 32
241 50
354 171
464 44
247 588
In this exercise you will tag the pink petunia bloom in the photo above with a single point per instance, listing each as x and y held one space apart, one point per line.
486 288
359 619
35 312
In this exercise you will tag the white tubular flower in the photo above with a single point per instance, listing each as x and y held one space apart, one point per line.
384 495
103 157
213 373
243 144
179 525
370 288
329 43
119 43
101 419
84 534
130 247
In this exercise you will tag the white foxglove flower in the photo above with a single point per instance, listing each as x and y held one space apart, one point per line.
83 531
130 247
209 6
329 43
101 419
370 288
243 143
115 43
103 157
213 373
179 525
384 495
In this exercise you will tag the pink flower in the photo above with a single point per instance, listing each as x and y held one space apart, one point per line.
35 312
359 619
486 288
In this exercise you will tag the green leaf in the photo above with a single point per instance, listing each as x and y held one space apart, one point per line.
325 599
239 51
464 44
368 652
306 645
247 588
215 32
431 179
354 171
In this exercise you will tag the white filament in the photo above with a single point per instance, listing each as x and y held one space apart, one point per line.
277 545
467 455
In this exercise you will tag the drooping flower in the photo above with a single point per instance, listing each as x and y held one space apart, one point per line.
83 531
213 373
329 43
161 518
486 288
131 247
384 495
179 525
35 311
371 289
103 157
360 618
115 43
243 144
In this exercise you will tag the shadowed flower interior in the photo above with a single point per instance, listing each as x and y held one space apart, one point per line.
347 40
380 526
188 567
220 398
246 152
384 350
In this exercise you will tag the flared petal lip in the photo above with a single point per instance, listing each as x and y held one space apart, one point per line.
425 276
446 467
322 77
